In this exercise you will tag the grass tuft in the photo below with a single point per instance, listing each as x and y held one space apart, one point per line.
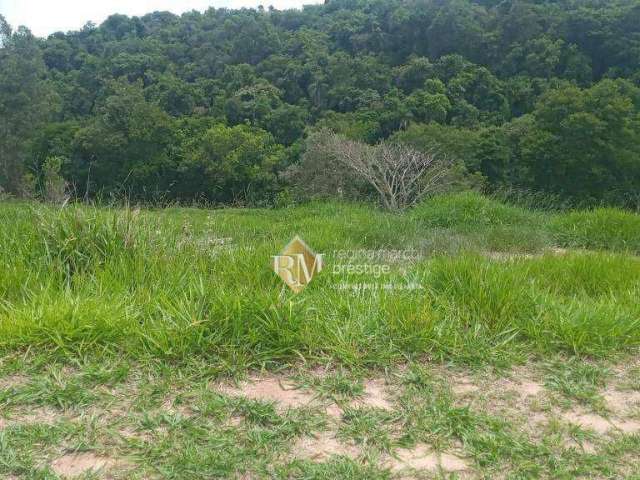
602 228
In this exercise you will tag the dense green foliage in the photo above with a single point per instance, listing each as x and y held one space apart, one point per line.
537 95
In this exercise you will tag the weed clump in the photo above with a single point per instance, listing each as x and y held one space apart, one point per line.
81 239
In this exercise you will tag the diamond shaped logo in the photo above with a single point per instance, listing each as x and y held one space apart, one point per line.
297 264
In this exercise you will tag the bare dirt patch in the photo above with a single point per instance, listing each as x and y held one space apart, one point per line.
626 425
500 394
517 396
601 425
519 381
75 464
334 411
13 381
452 463
514 392
375 395
423 458
233 422
529 388
286 394
588 421
463 386
621 402
537 420
583 445
46 416
322 446
272 389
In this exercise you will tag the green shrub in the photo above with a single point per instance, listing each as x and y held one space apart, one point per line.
470 209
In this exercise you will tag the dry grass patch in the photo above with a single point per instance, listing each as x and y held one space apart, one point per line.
32 416
506 256
13 381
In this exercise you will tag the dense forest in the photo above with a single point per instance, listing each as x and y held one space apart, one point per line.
531 95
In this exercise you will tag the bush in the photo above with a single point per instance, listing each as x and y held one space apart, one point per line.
54 188
319 175
79 239
470 209
399 175
602 228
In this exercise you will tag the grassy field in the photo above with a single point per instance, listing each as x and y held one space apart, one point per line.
484 341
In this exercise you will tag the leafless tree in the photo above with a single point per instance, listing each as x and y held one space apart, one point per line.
401 175
319 174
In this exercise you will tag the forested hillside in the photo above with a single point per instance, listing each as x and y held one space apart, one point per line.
535 95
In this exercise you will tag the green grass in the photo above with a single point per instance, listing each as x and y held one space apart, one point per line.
189 285
577 380
603 229
335 385
173 423
471 209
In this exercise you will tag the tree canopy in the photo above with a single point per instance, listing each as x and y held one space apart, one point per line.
534 94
